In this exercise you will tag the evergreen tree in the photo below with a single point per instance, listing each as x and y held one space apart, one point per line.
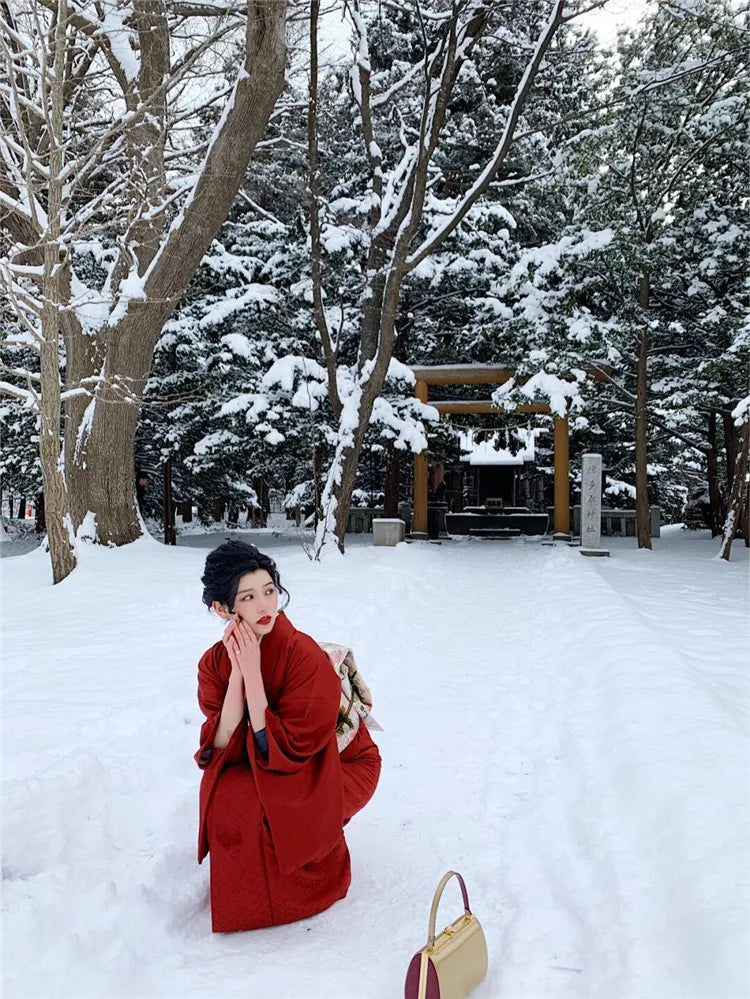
662 289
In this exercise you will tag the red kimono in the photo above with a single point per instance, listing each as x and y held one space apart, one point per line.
274 826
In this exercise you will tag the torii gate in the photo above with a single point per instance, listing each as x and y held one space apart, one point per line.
489 374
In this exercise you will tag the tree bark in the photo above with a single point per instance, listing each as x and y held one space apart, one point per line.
348 479
641 419
41 521
57 513
170 535
317 470
259 514
730 443
100 464
739 498
343 474
712 464
329 350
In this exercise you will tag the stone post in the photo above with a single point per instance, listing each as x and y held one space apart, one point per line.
591 505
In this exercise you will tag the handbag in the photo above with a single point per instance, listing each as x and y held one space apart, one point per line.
452 964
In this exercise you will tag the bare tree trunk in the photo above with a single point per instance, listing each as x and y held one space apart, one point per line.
321 322
317 470
260 513
739 495
641 419
101 463
348 478
41 521
712 463
391 254
337 495
730 443
101 471
22 507
57 513
170 535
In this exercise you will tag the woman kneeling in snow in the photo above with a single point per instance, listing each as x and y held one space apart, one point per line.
275 792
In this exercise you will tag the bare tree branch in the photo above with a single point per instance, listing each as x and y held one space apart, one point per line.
315 248
487 175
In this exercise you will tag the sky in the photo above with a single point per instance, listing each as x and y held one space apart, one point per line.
617 14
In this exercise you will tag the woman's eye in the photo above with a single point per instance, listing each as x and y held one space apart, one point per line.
248 597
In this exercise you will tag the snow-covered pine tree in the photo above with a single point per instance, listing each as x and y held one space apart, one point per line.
402 112
645 176
20 471
454 312
231 434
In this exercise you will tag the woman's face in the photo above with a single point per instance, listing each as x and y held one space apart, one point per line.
257 601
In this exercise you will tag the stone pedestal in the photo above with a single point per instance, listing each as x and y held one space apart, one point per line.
591 505
388 531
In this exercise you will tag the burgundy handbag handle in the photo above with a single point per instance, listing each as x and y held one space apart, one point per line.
436 901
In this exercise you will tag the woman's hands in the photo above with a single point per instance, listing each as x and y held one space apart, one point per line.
243 649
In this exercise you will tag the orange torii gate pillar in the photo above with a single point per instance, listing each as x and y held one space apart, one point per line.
419 516
469 374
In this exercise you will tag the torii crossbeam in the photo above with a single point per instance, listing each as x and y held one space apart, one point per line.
490 374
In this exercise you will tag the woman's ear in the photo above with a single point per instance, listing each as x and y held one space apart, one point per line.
221 610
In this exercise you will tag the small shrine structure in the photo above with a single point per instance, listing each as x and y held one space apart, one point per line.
429 376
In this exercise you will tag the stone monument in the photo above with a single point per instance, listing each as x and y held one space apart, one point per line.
591 505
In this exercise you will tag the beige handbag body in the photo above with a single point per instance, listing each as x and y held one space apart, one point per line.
453 963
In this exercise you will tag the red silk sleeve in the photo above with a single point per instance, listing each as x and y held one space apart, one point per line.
300 783
301 724
212 689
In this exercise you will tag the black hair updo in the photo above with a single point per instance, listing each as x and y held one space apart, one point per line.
225 567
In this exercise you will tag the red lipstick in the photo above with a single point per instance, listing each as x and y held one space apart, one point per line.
265 620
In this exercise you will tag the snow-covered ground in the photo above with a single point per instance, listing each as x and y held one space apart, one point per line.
569 733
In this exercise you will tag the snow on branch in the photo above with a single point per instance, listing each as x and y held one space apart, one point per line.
179 9
741 412
236 300
112 31
218 130
29 399
486 176
561 393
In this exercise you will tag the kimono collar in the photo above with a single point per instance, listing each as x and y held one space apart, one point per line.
277 637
